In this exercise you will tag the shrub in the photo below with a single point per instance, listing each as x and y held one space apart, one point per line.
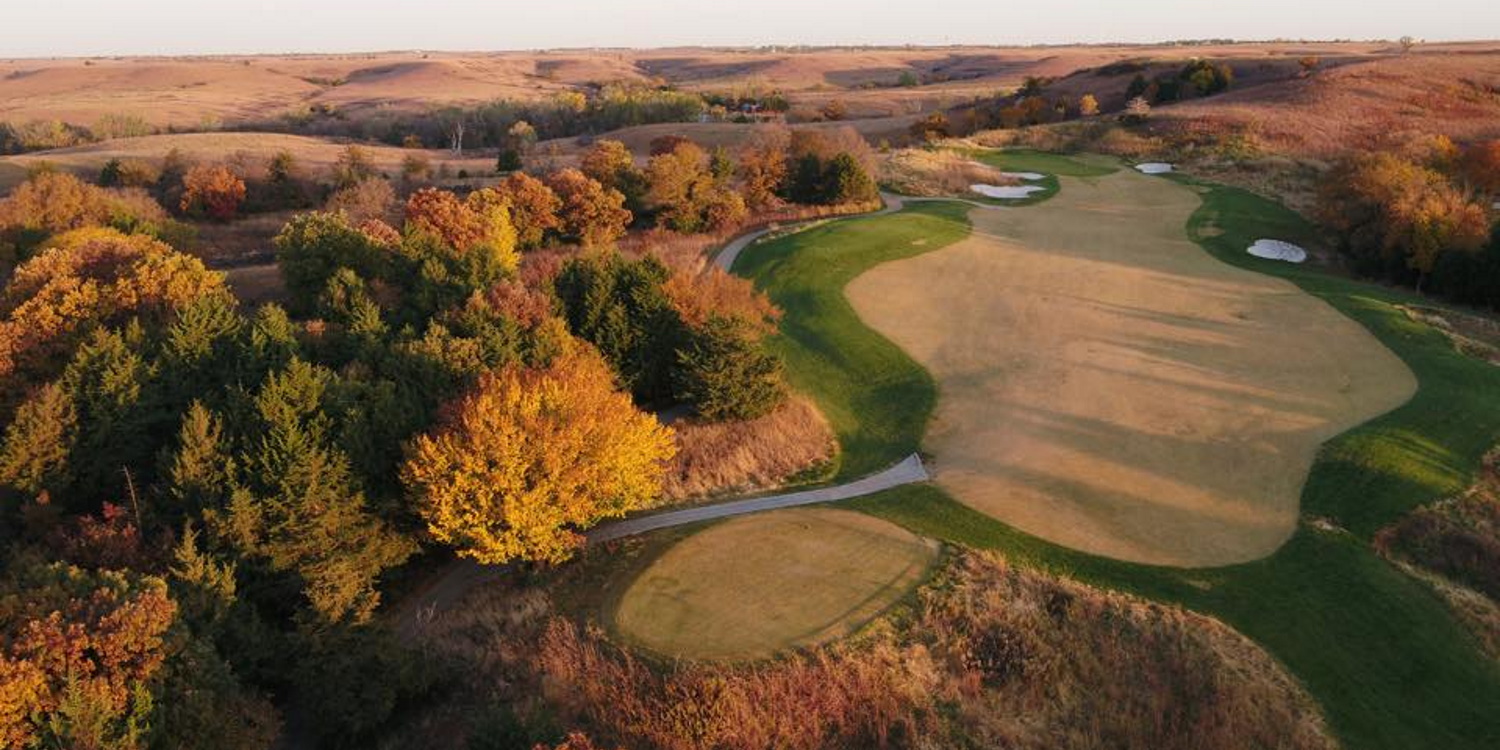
721 457
213 191
364 201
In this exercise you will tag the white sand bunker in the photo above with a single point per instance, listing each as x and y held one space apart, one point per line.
1027 176
1008 192
1278 250
1154 167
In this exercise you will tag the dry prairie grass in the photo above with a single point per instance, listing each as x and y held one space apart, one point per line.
1371 104
1455 547
995 656
757 454
914 171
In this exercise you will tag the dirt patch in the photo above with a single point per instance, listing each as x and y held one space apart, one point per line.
756 585
1106 384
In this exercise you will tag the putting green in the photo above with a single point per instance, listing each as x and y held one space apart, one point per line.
756 585
1106 384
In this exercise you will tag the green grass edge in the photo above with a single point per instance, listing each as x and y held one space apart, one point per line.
1378 650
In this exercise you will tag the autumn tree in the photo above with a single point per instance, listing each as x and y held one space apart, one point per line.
365 200
613 166
80 652
591 214
1480 167
1393 213
1088 105
533 208
214 191
763 165
482 219
605 161
50 203
312 247
725 375
91 278
532 455
682 188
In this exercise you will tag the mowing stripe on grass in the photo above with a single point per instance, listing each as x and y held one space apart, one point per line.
1388 662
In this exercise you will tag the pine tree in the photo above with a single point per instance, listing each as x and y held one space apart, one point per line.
200 474
39 441
725 375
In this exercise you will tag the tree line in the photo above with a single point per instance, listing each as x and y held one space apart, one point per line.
202 503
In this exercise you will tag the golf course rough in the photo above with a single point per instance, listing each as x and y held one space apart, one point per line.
756 585
1107 385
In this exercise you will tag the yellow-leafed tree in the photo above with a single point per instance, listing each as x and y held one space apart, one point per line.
532 455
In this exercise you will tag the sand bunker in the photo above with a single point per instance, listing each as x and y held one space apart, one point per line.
1278 250
1154 167
1008 192
1027 176
1108 385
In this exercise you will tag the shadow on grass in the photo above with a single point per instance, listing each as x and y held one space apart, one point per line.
1389 664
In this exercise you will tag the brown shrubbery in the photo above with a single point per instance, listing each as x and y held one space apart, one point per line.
997 657
723 457
1458 540
936 173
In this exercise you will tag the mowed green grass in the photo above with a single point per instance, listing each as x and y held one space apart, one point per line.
876 398
1389 664
756 585
1027 160
1041 162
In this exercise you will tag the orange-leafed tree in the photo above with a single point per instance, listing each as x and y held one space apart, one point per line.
591 213
606 161
531 455
77 654
1390 208
763 165
212 190
1481 167
481 219
88 278
533 208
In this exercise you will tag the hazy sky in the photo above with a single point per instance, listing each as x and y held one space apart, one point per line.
92 27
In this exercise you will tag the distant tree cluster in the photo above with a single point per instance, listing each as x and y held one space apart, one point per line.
1419 218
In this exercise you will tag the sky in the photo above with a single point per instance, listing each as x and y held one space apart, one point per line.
62 28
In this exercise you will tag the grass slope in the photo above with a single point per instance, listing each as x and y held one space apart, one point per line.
876 398
1389 664
1041 162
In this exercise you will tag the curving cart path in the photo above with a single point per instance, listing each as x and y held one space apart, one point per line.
461 576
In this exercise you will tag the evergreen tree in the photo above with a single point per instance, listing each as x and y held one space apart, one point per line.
725 375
